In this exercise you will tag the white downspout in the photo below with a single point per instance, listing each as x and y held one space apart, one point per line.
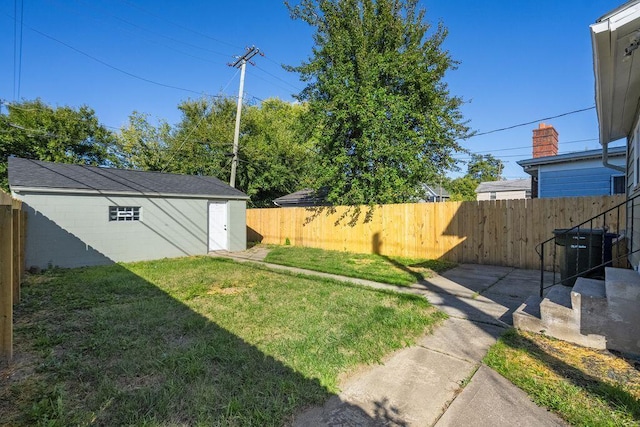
605 160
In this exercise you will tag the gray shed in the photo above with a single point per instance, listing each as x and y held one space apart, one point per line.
84 215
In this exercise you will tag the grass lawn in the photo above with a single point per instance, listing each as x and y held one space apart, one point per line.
190 341
379 268
585 387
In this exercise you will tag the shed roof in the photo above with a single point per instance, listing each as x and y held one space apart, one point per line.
36 175
508 185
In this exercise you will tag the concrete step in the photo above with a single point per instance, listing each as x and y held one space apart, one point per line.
527 316
622 284
556 306
589 300
556 317
623 299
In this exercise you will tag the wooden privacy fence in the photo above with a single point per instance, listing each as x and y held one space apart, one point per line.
499 232
12 239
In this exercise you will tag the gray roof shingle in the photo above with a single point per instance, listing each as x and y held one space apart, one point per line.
25 173
303 198
508 185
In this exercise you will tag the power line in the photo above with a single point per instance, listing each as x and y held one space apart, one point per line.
113 67
193 129
17 48
277 78
135 6
230 80
531 122
529 146
156 33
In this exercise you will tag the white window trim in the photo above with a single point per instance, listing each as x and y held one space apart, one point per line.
613 186
125 213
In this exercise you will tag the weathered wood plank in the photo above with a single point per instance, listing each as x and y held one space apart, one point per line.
6 287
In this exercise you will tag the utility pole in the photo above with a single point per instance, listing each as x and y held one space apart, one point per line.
241 63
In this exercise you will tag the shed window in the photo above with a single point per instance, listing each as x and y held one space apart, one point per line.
492 195
124 213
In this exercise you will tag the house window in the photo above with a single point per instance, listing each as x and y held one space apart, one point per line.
492 195
618 184
124 213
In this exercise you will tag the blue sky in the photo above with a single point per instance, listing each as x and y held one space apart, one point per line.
519 60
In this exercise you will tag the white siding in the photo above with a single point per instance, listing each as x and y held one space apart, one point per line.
237 215
503 195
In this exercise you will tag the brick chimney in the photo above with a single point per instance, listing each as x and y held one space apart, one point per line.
545 141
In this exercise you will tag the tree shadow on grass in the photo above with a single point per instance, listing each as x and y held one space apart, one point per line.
115 349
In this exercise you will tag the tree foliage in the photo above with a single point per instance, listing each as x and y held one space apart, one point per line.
274 159
462 189
35 130
203 140
381 114
481 168
141 145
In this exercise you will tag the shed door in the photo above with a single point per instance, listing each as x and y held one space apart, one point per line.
218 226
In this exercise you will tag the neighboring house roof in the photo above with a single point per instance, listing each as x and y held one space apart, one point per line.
436 191
308 197
302 198
615 37
532 164
35 175
523 184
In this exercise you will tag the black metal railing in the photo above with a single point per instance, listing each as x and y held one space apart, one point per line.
588 247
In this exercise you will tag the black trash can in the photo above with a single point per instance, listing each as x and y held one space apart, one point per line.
582 250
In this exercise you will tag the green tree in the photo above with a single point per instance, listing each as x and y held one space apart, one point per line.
462 189
202 142
381 114
140 145
275 158
483 168
35 130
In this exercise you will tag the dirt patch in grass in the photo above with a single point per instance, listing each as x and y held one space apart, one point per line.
584 386
582 364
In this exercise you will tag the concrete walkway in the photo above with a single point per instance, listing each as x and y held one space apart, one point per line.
422 385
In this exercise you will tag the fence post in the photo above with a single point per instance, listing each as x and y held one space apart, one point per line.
16 254
6 288
23 242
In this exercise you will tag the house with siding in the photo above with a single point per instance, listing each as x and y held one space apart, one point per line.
435 193
616 38
576 174
81 215
504 190
604 313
